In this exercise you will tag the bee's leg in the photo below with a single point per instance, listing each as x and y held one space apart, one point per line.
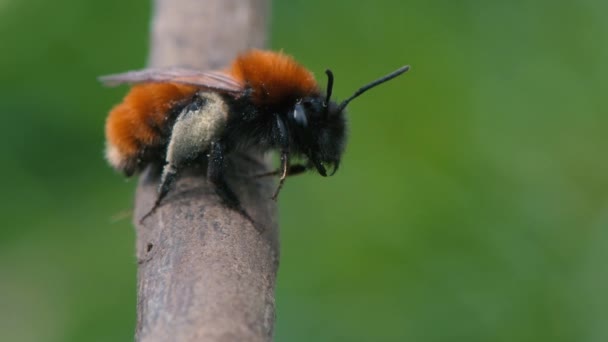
284 167
215 174
293 170
170 172
283 140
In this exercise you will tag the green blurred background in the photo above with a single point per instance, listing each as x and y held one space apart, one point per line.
472 204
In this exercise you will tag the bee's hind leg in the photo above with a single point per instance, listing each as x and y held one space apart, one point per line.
215 174
170 173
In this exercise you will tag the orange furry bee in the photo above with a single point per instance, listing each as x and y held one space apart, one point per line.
265 100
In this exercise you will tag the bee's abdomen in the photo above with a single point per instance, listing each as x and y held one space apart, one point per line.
136 124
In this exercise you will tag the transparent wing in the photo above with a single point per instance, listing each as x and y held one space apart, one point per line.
215 80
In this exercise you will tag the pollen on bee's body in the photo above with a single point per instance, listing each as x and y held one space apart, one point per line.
194 129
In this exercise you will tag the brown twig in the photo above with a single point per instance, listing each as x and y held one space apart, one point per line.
205 273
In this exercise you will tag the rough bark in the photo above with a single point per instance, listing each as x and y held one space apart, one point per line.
205 272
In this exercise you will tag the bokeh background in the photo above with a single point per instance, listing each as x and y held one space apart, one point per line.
472 203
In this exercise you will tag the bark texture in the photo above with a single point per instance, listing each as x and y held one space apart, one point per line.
205 272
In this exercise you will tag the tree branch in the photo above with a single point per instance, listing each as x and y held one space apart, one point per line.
205 273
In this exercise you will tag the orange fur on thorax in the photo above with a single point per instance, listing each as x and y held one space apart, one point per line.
275 78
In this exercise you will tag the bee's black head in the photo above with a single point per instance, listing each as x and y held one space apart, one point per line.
319 130
319 125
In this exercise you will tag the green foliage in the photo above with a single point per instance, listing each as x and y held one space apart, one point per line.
471 204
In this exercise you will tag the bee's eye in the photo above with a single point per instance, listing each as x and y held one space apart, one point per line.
298 115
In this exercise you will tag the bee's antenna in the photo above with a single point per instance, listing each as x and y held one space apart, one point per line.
373 84
330 86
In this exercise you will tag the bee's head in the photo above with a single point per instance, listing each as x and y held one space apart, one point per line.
319 125
319 129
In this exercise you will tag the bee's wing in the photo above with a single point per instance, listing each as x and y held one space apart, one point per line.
214 80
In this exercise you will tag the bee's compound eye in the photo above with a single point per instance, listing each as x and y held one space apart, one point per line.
298 115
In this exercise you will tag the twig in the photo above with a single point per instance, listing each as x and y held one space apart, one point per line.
205 273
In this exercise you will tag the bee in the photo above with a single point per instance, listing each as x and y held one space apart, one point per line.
263 101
